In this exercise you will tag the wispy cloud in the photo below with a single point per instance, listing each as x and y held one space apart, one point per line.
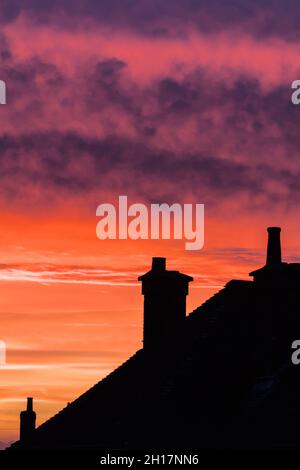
52 274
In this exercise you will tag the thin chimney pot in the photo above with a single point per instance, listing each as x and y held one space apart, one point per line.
274 247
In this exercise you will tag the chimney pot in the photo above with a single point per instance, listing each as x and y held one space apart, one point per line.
29 403
158 264
274 246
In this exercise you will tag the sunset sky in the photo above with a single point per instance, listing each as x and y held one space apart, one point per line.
160 100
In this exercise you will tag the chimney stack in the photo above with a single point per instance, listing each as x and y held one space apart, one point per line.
27 421
164 302
274 247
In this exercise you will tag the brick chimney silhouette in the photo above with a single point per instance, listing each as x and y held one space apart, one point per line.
274 272
27 421
274 247
164 302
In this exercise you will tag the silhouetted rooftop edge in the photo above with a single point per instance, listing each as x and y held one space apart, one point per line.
209 379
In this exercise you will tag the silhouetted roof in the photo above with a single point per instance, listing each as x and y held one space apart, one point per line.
225 380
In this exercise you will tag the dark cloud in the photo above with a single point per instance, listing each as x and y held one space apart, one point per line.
210 139
54 166
165 17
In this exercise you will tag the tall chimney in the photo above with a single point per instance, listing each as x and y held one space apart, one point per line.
274 247
164 302
27 421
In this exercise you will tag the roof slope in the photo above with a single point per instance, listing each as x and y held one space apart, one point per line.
224 381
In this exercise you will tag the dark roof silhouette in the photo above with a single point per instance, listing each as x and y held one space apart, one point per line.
223 377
